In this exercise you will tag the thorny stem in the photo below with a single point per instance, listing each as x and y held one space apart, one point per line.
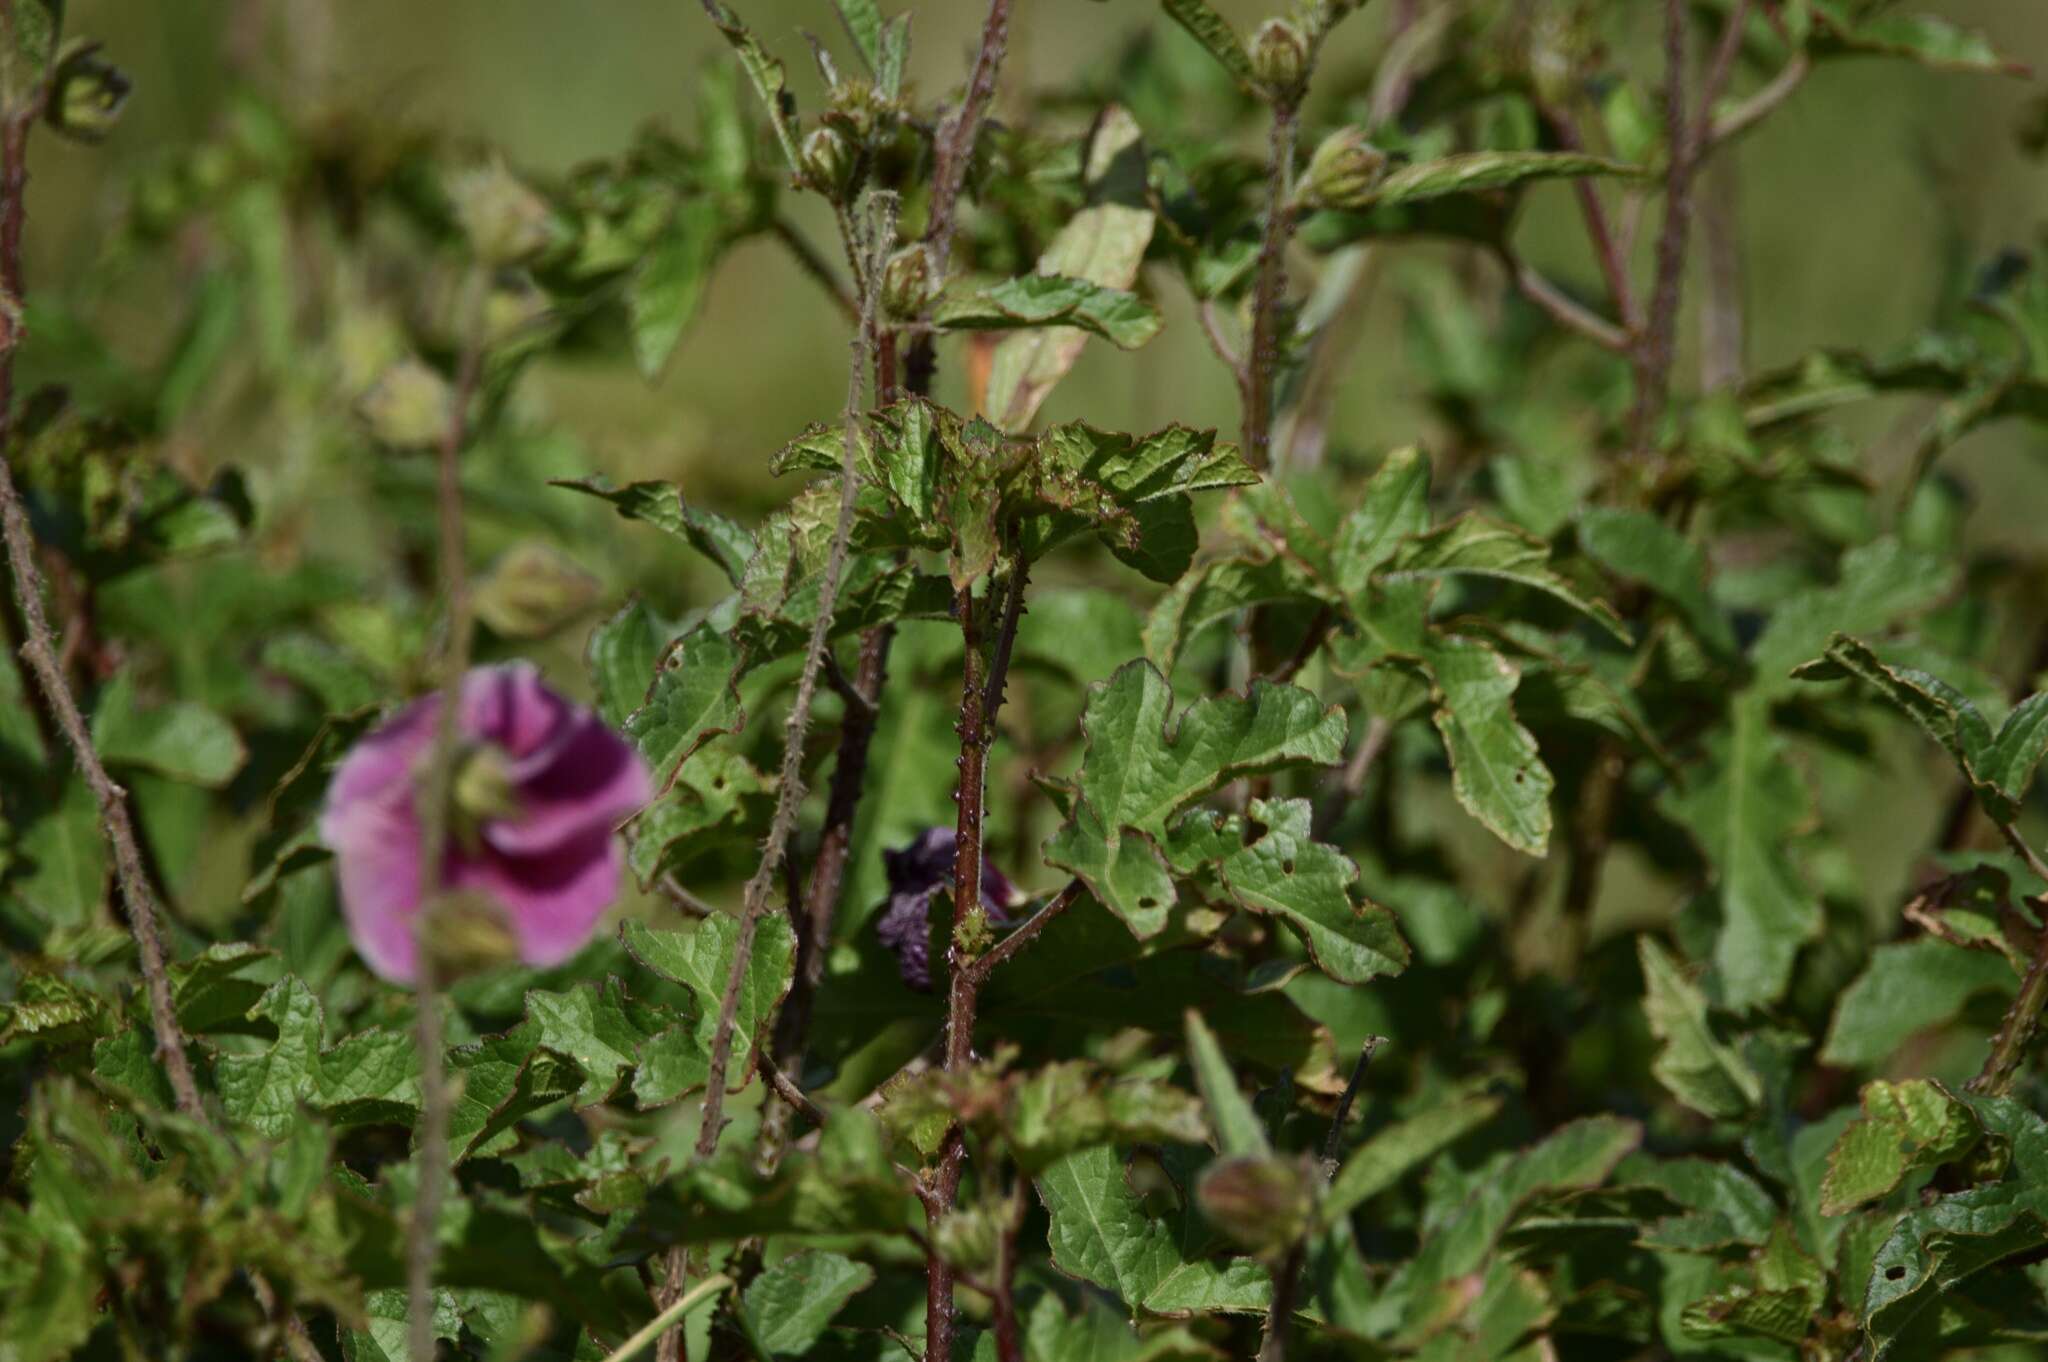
954 153
39 649
435 793
1025 933
1268 286
1009 1335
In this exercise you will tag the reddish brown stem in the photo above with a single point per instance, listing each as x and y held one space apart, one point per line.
1606 248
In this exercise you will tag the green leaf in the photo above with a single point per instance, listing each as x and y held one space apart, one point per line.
1239 1133
599 1027
1142 767
1472 545
661 504
700 958
1101 1234
1880 583
863 20
66 881
1394 508
766 72
1053 1332
1743 809
1496 771
1214 33
1905 1127
1069 1105
1283 871
693 698
1695 1064
1642 548
502 1080
1908 987
1933 1250
1102 245
263 1091
1217 591
1473 171
183 740
1919 38
1119 317
663 292
622 654
1403 1146
786 1308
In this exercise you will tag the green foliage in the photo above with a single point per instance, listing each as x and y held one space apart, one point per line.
1627 754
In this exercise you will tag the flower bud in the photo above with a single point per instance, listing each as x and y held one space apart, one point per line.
506 222
467 932
1344 170
534 590
409 406
1264 1203
829 163
483 786
87 93
1280 59
907 283
967 1239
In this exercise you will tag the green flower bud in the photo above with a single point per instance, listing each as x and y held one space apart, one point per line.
907 283
534 590
409 406
1344 170
967 1239
1280 59
1266 1203
506 222
466 933
829 163
87 93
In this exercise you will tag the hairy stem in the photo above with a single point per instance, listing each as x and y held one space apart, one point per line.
953 153
1280 1318
435 794
1008 1330
1657 347
2016 1032
1268 287
1024 933
39 647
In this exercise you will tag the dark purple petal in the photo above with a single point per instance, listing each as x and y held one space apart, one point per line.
916 873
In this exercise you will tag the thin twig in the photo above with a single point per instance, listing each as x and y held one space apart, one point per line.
1333 1143
1763 102
654 1328
954 148
2025 850
1008 1330
435 793
1311 639
995 691
1352 782
1025 933
1280 1318
1607 250
39 649
1721 313
789 797
786 1088
2016 1032
1269 285
1212 328
1563 309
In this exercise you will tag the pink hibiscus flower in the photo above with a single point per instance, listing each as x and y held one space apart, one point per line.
548 785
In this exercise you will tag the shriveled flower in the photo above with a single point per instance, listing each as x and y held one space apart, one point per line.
916 874
541 786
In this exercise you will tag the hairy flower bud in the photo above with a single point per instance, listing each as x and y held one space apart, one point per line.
409 405
1280 59
87 93
967 1239
506 222
1344 170
829 163
907 283
1264 1203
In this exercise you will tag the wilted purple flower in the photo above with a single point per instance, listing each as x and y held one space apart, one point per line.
917 873
541 787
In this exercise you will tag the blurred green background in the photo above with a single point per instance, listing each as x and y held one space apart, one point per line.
1859 203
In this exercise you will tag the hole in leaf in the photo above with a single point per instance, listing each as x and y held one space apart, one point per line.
1148 902
1892 1274
1287 866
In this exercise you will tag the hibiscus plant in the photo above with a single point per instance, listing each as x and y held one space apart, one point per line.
1562 883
